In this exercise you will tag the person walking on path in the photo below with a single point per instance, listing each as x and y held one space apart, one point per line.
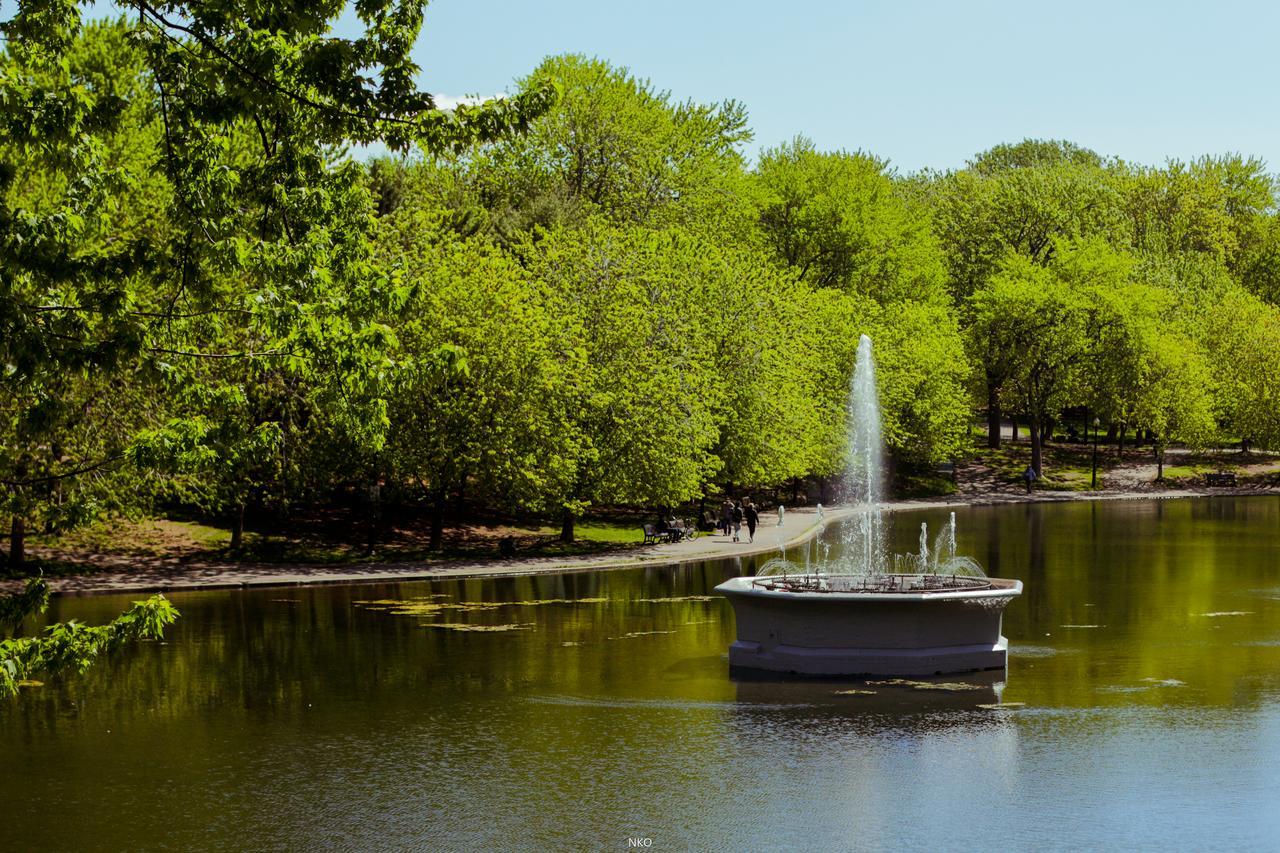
1030 476
726 516
737 521
753 518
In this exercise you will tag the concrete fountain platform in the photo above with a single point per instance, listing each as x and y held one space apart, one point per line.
912 633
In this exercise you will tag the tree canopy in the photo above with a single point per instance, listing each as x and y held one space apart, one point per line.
589 293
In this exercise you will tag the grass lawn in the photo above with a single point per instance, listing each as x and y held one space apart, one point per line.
1178 472
1066 467
1066 478
145 538
595 531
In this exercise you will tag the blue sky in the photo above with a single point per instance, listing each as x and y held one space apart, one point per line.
925 84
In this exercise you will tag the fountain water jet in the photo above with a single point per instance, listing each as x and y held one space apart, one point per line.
864 475
936 613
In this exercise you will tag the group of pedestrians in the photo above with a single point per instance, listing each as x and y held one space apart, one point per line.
733 513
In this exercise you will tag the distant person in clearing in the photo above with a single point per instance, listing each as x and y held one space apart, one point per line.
1029 476
753 518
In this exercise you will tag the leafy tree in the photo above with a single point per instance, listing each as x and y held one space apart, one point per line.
1217 206
1048 324
1176 401
486 381
245 107
838 220
1242 336
768 406
613 146
1024 200
644 415
923 373
1032 154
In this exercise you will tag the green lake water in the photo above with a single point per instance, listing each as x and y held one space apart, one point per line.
1145 651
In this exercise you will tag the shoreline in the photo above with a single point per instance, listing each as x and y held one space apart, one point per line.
799 526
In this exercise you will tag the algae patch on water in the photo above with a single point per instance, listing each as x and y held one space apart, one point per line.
632 634
466 627
950 686
854 693
676 598
533 602
420 606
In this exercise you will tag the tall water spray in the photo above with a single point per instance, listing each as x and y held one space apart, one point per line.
864 560
864 552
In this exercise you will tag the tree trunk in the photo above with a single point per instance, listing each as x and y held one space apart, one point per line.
1013 427
1120 446
437 522
993 419
1046 433
375 512
237 529
1159 462
17 542
566 527
1036 447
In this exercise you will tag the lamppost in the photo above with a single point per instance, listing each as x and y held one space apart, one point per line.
1096 424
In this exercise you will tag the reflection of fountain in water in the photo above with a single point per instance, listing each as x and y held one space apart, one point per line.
863 559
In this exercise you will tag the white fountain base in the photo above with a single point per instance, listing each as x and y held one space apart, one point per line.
935 632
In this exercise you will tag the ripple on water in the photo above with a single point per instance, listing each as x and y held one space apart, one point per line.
662 704
1151 683
1021 651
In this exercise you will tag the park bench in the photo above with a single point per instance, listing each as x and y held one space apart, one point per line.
946 469
652 536
1220 478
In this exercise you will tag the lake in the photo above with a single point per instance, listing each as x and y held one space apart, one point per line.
598 711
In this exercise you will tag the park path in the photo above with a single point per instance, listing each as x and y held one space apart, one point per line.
155 574
151 575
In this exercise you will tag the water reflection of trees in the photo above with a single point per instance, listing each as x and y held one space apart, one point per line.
268 654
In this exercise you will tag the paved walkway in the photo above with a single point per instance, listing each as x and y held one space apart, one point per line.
165 575
799 525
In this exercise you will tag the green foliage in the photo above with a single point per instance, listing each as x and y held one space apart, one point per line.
1242 336
488 379
838 220
582 294
615 146
69 646
923 371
